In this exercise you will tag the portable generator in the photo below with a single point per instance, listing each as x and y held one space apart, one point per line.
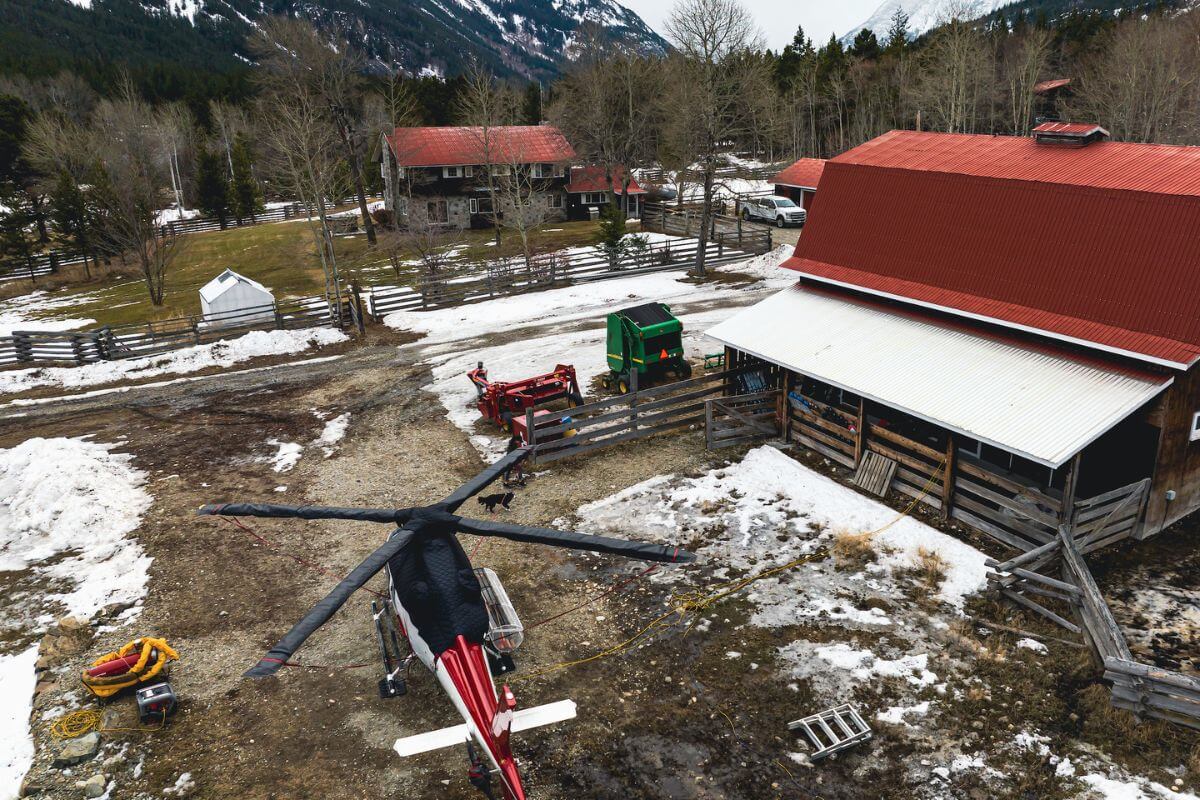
155 703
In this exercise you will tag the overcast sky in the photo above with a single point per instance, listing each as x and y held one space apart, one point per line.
778 18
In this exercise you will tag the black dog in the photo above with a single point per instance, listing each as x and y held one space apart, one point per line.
490 501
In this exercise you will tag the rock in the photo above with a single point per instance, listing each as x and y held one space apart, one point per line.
76 751
68 624
94 786
30 787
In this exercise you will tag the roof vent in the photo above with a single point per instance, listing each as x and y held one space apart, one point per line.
1071 134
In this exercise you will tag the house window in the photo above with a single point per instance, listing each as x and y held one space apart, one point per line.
595 198
559 171
455 172
501 170
1195 426
481 205
437 212
556 200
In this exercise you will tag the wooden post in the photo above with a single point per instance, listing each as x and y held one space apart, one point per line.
949 475
529 431
356 292
708 423
788 375
633 395
1069 487
860 441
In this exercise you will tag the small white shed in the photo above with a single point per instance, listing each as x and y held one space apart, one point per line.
233 299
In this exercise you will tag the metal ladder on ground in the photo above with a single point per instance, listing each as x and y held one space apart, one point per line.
832 731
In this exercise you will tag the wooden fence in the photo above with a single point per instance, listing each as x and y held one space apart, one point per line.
635 415
742 418
47 263
730 231
553 270
111 343
1152 692
659 175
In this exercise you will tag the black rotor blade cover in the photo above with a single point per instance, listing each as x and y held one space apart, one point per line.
391 516
483 479
278 655
642 551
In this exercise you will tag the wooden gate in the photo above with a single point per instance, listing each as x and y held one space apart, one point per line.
742 418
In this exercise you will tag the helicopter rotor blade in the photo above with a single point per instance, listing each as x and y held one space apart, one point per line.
484 479
278 655
391 516
642 551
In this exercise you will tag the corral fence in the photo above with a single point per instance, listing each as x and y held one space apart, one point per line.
635 415
729 231
1151 692
111 343
552 270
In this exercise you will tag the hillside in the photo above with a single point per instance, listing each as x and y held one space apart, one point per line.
524 38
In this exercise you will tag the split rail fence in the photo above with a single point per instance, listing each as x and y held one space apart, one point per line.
512 276
111 343
730 231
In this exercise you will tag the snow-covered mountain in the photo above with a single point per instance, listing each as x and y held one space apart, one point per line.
525 38
923 14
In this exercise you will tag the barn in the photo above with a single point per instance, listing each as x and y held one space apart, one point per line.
799 181
233 299
1014 333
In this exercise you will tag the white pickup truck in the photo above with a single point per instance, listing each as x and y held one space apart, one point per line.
774 209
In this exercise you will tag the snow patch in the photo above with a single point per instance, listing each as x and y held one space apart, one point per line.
334 432
1032 644
77 497
222 353
287 455
17 680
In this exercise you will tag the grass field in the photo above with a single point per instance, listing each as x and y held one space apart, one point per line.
282 256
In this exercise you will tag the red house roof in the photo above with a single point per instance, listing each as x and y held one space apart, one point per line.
804 174
453 147
591 179
1095 245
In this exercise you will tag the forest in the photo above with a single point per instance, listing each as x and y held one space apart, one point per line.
89 158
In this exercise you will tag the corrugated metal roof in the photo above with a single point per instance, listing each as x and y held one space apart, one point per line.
1003 229
804 174
1041 403
591 179
462 146
1127 166
1074 128
1051 85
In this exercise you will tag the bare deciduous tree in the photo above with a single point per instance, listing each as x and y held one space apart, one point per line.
129 178
706 81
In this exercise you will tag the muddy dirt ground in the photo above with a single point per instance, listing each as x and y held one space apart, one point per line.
676 719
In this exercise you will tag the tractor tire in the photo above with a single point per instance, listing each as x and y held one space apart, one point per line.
685 370
623 385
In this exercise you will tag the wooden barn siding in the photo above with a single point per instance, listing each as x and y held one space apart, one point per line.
1178 464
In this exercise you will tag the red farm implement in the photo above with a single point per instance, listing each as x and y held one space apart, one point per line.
507 402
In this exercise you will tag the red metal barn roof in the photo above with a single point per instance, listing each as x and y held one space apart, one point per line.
804 174
1096 245
452 147
1046 87
591 179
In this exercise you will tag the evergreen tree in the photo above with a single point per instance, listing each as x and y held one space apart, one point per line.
246 196
532 107
70 216
897 34
865 45
212 187
16 219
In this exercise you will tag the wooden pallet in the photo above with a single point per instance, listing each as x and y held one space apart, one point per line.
875 473
832 730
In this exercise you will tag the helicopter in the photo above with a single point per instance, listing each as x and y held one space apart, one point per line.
457 620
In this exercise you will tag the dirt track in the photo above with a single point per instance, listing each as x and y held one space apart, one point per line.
674 720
